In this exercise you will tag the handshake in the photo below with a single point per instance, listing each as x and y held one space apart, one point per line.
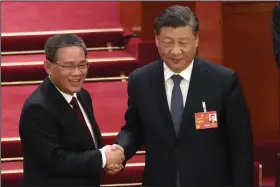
114 158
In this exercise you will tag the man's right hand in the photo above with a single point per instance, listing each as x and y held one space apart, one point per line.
113 156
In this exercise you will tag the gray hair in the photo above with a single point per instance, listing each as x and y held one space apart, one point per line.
54 43
176 16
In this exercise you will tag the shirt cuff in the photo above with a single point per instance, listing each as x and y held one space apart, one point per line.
103 158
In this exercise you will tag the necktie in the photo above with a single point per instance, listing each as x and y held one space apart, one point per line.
177 105
80 115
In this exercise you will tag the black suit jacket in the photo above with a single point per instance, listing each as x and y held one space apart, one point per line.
57 151
276 33
210 157
276 48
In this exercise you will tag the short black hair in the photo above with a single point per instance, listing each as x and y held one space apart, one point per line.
176 16
54 43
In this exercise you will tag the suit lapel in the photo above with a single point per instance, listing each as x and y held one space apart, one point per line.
161 98
196 89
63 108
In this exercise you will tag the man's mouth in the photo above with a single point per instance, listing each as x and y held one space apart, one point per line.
75 82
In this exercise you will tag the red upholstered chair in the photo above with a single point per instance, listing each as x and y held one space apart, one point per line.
258 174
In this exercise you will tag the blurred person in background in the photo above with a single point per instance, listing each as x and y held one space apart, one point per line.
276 48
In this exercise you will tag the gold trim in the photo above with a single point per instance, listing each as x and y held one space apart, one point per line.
93 60
109 46
62 32
40 81
260 175
123 184
10 139
10 171
42 51
136 29
14 159
123 77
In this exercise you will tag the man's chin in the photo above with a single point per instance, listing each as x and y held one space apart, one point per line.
75 89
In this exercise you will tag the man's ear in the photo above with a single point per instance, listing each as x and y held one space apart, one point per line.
156 40
48 67
196 39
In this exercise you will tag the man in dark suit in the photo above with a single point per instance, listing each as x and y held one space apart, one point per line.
276 33
276 48
61 141
169 103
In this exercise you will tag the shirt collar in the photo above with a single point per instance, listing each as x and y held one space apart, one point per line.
186 73
67 97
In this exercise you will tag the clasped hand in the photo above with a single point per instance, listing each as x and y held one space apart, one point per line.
114 158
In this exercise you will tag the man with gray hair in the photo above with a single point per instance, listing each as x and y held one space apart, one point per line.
169 103
61 141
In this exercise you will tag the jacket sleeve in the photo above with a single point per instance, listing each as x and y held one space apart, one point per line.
239 135
40 138
132 134
276 33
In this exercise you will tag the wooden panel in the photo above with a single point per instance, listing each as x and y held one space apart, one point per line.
130 15
210 35
151 10
247 49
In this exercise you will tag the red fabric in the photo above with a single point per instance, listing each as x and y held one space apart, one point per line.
109 68
147 52
44 16
269 181
266 154
131 174
10 149
36 42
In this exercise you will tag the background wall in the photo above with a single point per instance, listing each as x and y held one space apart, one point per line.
66 15
247 49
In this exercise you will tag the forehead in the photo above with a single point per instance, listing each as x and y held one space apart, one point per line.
176 33
70 54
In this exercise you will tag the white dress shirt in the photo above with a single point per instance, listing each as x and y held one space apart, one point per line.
68 98
184 85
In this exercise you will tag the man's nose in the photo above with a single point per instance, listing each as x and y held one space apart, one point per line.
176 50
76 71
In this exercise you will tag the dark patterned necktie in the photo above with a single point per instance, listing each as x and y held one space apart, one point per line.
80 115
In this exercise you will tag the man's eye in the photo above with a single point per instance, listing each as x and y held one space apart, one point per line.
68 66
167 42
